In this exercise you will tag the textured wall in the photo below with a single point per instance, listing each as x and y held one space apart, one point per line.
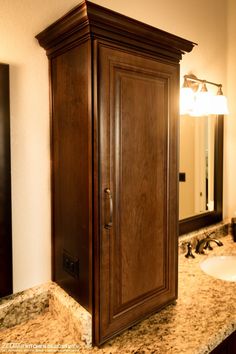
230 121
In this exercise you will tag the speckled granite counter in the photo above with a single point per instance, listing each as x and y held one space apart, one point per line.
204 315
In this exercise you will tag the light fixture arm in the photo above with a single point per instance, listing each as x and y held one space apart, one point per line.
196 79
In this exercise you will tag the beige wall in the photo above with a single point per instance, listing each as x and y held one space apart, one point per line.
230 122
201 21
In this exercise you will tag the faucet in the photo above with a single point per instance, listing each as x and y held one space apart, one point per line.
205 243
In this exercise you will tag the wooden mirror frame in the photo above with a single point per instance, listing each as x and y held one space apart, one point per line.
208 218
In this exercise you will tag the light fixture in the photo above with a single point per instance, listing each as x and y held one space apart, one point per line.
196 100
186 98
202 103
220 105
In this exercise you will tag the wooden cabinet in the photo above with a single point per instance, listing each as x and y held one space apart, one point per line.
114 104
138 253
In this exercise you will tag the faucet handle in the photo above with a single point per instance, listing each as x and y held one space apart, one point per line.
189 254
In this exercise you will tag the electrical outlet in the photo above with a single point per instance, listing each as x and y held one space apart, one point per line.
182 177
70 264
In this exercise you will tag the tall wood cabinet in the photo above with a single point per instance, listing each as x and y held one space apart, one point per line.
114 129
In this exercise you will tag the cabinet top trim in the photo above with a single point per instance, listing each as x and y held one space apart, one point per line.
94 21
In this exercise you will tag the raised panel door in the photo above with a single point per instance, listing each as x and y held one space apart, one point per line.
137 103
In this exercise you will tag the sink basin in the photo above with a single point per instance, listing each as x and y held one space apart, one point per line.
221 267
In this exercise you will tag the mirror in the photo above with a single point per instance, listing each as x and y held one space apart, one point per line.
200 171
5 185
196 165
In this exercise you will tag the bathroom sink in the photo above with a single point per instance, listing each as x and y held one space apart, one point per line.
221 267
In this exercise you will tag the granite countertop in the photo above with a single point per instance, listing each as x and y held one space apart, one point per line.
203 316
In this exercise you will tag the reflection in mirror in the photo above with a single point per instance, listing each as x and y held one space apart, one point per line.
196 187
201 153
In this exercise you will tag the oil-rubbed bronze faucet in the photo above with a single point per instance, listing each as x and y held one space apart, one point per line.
205 243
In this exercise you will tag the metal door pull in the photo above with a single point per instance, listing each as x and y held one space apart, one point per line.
109 196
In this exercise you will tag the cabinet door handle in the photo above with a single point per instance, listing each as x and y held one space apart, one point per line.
109 196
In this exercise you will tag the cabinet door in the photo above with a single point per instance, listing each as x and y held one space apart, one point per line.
138 102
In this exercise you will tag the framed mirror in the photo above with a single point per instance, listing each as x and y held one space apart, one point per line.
5 185
200 171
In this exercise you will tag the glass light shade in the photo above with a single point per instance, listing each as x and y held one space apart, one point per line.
202 104
186 100
220 105
210 205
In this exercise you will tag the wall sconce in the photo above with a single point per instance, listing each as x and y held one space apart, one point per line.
186 97
196 100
